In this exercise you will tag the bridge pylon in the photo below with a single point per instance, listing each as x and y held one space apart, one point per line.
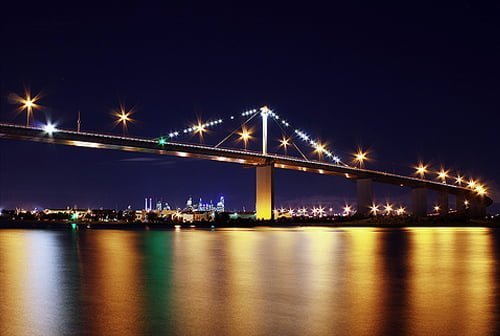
419 202
364 188
264 192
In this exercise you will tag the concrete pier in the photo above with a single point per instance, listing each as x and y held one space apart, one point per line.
442 202
419 202
364 189
460 203
264 192
477 208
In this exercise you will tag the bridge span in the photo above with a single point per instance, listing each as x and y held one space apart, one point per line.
264 164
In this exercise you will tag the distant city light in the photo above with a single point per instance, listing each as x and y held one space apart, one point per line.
388 208
400 211
374 209
347 210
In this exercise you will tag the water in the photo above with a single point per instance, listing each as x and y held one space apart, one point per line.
317 281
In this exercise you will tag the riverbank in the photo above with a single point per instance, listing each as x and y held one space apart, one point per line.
376 222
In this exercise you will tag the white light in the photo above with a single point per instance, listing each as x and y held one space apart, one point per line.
49 128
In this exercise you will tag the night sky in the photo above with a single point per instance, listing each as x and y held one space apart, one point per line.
406 81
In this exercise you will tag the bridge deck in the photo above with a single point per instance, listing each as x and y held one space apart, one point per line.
134 144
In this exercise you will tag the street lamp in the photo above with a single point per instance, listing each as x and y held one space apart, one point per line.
245 136
28 103
123 117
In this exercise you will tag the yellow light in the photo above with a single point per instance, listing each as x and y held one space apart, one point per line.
245 135
347 210
443 175
459 180
471 184
480 190
26 103
360 157
421 169
123 117
437 208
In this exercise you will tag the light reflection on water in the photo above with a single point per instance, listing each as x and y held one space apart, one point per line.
314 281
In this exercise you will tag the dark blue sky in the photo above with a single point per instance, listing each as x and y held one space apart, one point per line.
407 81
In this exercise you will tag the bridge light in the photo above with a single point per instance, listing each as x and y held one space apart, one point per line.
459 180
285 142
319 148
27 103
443 175
162 141
421 169
49 128
245 136
437 208
480 190
123 117
471 184
360 157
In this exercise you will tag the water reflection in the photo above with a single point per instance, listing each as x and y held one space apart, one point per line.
250 282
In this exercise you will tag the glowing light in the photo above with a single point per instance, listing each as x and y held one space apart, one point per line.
421 170
459 180
360 157
374 209
27 103
347 210
319 148
285 142
437 208
245 136
388 208
400 211
49 128
443 175
480 189
471 184
123 117
162 141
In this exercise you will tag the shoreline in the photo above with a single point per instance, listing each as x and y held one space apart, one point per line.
354 223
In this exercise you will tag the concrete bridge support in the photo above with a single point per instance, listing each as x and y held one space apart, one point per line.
460 203
477 208
419 202
264 192
365 196
442 202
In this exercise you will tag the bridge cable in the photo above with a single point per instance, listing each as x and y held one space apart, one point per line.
236 129
293 143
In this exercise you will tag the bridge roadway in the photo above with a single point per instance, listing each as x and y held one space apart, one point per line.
245 157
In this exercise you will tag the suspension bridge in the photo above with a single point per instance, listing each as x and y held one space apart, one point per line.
470 196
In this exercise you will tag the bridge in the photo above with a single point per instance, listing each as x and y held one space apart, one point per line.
468 197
